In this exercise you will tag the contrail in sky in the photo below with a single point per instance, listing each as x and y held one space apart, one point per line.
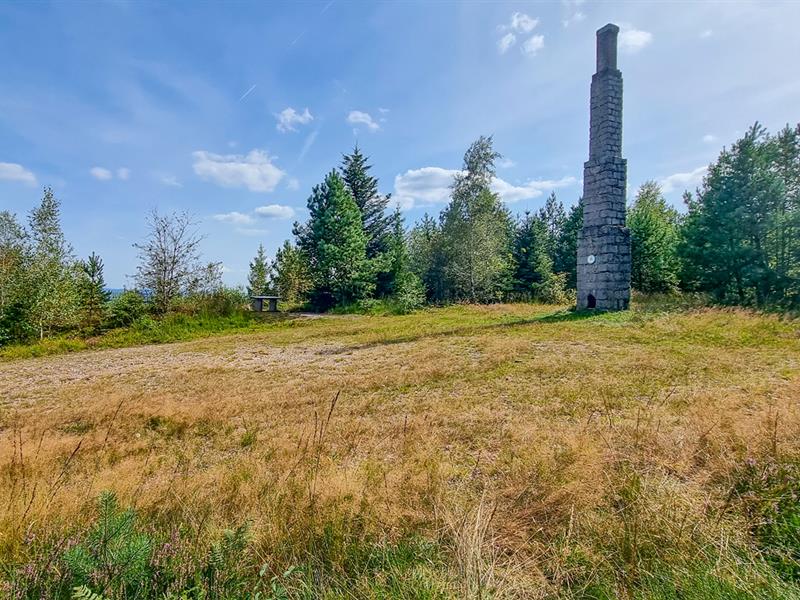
247 93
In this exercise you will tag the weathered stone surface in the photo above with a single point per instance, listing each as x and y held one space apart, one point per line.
605 283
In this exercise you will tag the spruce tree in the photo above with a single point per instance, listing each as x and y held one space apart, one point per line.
532 263
364 190
553 217
654 241
92 292
426 256
726 244
566 251
258 279
334 243
15 264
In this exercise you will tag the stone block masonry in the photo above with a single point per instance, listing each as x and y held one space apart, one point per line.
604 243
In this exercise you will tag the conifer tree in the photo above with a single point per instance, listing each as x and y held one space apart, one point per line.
726 244
291 278
92 292
426 257
566 251
532 262
334 244
364 190
258 279
553 217
15 262
654 241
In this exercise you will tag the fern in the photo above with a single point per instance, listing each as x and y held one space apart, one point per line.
84 593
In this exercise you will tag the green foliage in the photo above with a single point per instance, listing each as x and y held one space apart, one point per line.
258 280
409 293
82 592
334 243
291 278
126 309
654 241
92 293
769 492
426 260
533 267
740 241
371 204
115 555
566 248
476 232
52 275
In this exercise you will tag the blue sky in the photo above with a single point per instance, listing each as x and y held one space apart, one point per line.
233 111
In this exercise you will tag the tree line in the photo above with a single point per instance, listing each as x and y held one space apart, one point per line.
737 243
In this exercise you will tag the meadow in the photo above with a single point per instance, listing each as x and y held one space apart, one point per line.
499 451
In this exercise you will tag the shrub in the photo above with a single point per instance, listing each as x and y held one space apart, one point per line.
126 309
409 294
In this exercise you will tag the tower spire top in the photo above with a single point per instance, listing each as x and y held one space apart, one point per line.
607 47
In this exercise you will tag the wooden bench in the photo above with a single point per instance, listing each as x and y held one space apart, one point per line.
257 303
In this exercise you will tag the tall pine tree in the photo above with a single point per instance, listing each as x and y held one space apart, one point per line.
92 292
258 280
654 241
364 190
334 244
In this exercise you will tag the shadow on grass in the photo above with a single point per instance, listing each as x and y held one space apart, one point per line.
560 316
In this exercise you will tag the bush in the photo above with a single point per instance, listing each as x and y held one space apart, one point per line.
553 290
409 293
126 309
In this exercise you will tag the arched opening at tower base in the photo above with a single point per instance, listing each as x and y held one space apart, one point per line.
591 301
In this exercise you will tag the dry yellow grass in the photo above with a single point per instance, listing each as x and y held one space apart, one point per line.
538 447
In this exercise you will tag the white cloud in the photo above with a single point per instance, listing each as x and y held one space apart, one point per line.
289 118
123 173
383 111
506 163
532 189
254 171
682 181
521 24
632 40
505 42
357 117
170 180
293 184
431 185
15 172
100 173
533 45
235 218
428 185
572 12
709 138
706 33
275 211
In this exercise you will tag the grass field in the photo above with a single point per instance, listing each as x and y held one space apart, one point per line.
506 451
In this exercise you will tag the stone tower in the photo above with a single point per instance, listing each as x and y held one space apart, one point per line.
604 243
